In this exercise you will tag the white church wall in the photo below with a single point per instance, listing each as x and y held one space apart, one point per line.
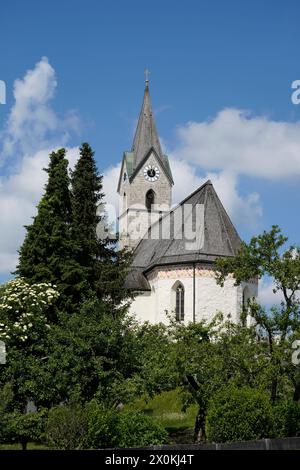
142 307
166 298
210 298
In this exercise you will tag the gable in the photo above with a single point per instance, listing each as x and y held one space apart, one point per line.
126 166
153 155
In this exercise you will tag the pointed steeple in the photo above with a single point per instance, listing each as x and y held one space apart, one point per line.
145 139
146 135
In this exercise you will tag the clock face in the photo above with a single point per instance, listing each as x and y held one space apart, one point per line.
151 173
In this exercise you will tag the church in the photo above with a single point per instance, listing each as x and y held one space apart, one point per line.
174 248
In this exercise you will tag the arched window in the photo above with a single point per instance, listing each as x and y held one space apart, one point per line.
179 305
245 306
124 202
150 199
246 296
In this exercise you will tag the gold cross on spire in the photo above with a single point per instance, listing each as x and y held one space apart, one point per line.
147 73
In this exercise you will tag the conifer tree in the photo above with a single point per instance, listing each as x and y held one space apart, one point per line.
86 195
47 251
103 266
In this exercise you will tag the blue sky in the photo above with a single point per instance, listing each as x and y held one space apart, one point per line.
212 63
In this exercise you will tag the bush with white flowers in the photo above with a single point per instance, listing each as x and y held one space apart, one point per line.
22 309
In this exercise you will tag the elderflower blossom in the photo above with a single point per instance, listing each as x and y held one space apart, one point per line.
23 307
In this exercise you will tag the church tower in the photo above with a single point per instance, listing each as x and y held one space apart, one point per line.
145 182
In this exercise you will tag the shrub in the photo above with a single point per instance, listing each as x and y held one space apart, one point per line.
67 427
25 427
6 399
96 426
102 425
110 428
137 429
287 419
239 414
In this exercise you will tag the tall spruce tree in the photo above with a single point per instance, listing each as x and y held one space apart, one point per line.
86 195
47 253
104 267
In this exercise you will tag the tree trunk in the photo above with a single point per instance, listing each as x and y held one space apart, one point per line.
199 428
24 445
274 390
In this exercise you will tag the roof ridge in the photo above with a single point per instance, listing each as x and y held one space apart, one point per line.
218 204
208 182
184 218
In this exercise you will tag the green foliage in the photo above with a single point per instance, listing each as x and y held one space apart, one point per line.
91 354
138 429
66 427
81 354
25 427
92 350
236 414
47 251
61 245
86 196
102 426
95 252
153 353
96 426
266 255
287 419
17 426
256 259
6 399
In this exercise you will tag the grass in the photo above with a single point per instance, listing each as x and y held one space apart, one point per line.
165 408
30 446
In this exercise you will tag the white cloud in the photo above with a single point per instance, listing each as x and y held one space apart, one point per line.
190 172
266 295
32 131
110 183
243 210
32 124
243 144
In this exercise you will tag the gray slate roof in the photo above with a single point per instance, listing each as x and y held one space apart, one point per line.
220 238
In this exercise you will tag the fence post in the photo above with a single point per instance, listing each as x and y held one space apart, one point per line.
267 444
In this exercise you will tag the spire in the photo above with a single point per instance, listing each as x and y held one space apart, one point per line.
147 72
146 134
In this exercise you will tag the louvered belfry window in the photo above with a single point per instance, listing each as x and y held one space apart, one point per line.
150 199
